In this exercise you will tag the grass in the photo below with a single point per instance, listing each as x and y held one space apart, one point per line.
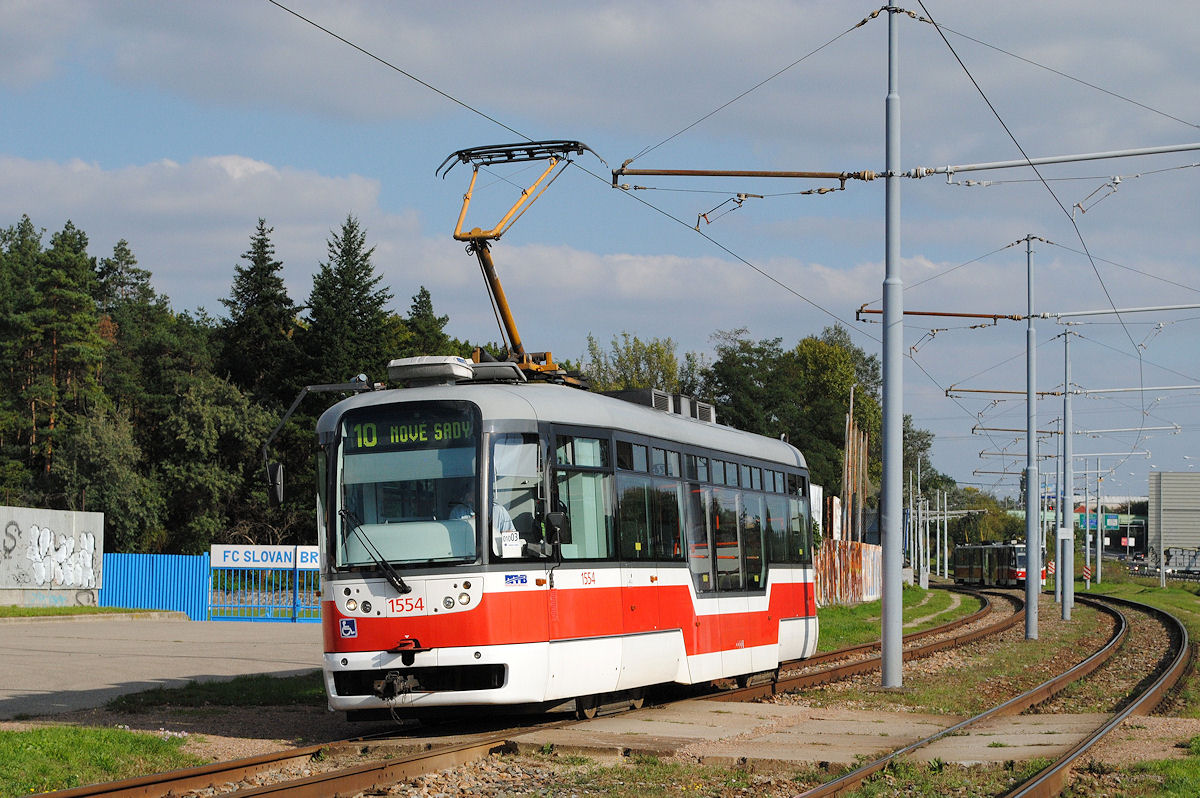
256 690
1165 778
7 611
987 672
849 626
62 757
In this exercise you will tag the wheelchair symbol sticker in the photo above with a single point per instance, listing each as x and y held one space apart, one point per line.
349 627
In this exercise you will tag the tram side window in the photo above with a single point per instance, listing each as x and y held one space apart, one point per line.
648 516
635 517
517 475
585 495
668 512
798 531
699 546
631 456
731 575
777 530
664 463
751 523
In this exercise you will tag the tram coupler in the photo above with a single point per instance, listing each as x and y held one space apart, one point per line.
393 685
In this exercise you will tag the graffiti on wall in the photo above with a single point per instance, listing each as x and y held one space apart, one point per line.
51 550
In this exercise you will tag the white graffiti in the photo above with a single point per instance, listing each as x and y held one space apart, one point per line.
60 561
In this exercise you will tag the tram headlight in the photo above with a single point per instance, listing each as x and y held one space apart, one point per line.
464 598
448 603
366 606
351 605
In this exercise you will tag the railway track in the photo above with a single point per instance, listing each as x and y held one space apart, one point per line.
230 778
860 659
1148 695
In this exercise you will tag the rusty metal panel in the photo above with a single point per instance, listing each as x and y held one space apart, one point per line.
847 572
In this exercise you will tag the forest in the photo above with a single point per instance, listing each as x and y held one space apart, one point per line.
117 403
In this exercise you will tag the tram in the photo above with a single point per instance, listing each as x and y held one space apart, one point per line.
999 564
488 540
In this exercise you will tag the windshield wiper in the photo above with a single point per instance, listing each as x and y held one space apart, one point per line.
350 520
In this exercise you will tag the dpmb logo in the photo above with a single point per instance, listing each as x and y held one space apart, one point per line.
349 627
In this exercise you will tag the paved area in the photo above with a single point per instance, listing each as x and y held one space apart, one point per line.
53 665
778 735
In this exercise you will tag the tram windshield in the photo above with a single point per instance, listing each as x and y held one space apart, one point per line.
409 485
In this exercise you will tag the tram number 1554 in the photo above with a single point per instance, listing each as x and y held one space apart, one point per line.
405 604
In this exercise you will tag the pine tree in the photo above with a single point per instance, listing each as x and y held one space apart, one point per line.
348 325
119 280
425 329
20 250
259 350
64 344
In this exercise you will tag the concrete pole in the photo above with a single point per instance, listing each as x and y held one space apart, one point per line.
1066 545
892 631
1033 482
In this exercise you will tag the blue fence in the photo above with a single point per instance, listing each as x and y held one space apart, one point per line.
277 594
157 582
189 584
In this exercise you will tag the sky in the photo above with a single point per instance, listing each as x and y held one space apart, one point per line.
176 126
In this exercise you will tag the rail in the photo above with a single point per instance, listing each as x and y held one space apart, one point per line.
1050 780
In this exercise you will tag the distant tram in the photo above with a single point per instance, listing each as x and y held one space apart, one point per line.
998 564
487 541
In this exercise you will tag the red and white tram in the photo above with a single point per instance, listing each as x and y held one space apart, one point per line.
491 541
999 564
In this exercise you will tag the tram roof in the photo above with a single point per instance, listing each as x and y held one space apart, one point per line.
546 402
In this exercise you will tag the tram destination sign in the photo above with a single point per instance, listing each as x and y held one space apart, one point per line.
304 558
404 427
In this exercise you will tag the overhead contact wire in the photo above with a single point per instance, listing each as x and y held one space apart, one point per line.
1080 81
1036 171
395 68
752 89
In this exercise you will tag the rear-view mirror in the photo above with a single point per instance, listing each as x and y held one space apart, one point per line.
558 528
275 483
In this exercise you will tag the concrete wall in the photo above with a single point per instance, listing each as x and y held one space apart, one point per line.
50 557
1174 510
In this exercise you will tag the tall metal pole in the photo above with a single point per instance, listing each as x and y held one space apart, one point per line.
1066 543
1087 531
1100 531
1099 524
918 532
1162 552
1060 515
1033 483
908 526
892 632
